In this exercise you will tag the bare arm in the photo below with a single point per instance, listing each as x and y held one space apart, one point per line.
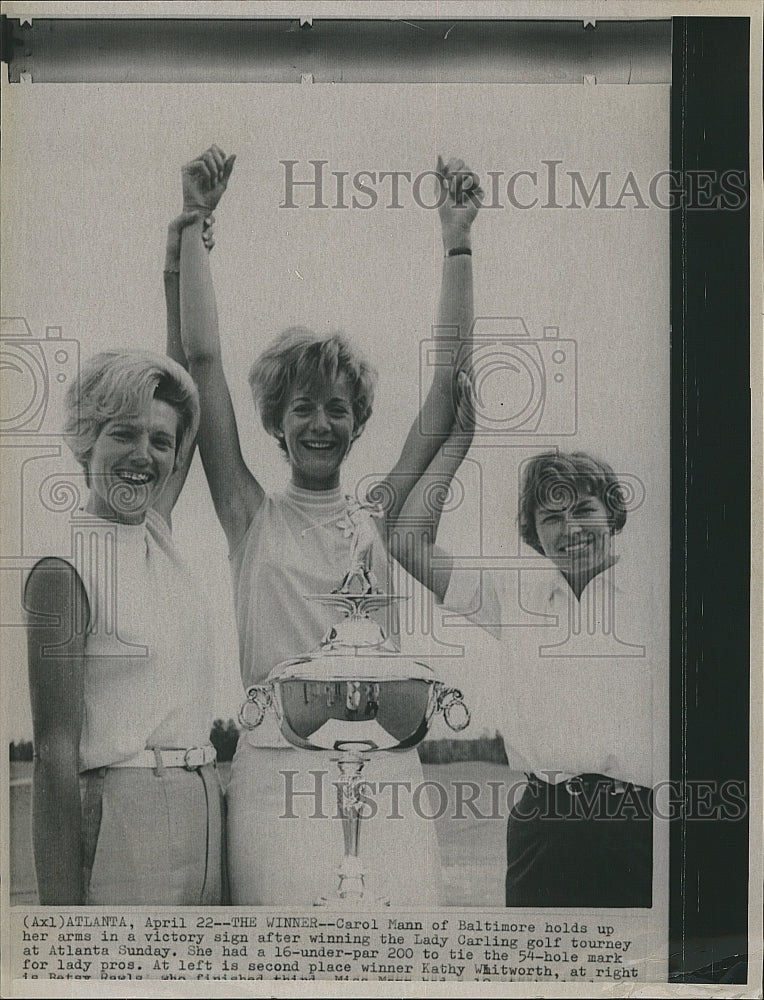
174 346
413 537
58 615
166 501
454 330
235 492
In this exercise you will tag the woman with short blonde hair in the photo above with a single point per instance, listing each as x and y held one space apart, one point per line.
127 806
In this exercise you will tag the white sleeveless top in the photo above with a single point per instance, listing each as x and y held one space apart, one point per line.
299 543
149 663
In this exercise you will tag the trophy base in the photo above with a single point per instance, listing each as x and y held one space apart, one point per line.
338 902
351 893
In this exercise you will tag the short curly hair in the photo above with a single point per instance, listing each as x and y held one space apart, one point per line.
557 478
301 357
120 383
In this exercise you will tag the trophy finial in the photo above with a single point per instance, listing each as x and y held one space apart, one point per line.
358 523
357 629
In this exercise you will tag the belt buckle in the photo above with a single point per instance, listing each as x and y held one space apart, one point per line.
193 758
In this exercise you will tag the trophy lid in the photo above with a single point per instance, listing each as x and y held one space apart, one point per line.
355 648
347 665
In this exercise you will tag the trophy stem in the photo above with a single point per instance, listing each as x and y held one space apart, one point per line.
351 888
349 800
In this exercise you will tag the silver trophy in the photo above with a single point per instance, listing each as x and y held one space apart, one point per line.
353 696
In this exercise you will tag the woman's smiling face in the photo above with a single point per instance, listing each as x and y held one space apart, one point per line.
576 536
318 430
131 461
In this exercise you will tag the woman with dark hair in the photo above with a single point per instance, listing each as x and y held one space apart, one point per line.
571 505
127 806
576 715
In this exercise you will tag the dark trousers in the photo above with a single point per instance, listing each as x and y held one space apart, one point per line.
588 842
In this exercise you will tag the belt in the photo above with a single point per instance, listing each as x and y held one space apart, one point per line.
584 783
159 757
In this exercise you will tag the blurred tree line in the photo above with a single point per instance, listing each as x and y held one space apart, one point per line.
225 735
484 747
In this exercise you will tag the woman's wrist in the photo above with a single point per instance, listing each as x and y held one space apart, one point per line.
188 218
456 239
461 251
192 214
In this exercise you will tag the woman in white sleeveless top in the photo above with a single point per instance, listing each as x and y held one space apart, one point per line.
314 394
127 806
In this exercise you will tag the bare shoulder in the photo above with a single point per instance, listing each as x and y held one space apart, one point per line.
50 576
53 587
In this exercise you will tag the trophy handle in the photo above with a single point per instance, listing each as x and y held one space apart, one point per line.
259 700
450 702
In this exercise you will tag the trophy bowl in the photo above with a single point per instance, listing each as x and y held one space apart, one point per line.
362 704
353 697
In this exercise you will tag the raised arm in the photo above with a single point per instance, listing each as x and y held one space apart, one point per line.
174 347
235 492
412 538
57 618
460 200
